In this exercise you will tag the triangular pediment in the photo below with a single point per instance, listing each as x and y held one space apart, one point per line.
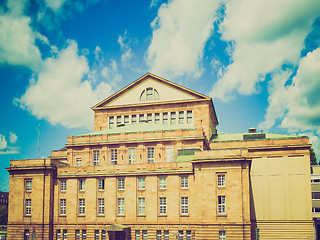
157 89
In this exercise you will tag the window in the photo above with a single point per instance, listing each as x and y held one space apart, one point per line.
181 117
82 206
134 119
222 235
173 118
65 235
132 155
77 237
126 120
28 185
149 118
121 184
137 234
120 206
63 205
159 235
145 235
84 234
163 205
149 94
157 118
162 183
221 204
188 235
111 122
184 205
189 117
315 210
150 155
141 183
82 185
96 154
118 121
58 234
26 234
180 234
79 162
63 185
101 184
315 195
221 180
141 118
141 206
169 153
28 207
166 234
165 118
103 235
114 156
184 182
101 206
96 235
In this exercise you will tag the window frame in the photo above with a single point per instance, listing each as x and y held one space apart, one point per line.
101 206
121 184
184 202
150 154
78 159
114 156
82 185
162 206
221 179
132 155
111 122
82 207
101 184
184 182
141 206
222 235
121 206
162 183
181 117
63 185
28 185
142 183
222 204
28 207
173 118
63 206
96 157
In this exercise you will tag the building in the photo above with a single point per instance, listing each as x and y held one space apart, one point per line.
155 168
315 187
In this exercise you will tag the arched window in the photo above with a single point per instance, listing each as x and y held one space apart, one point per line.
149 94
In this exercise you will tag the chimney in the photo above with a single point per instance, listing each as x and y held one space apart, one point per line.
252 130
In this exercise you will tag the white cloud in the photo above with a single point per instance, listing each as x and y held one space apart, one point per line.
265 35
125 46
180 32
60 93
55 5
4 148
13 137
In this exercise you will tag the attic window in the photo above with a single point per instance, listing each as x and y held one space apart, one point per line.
149 94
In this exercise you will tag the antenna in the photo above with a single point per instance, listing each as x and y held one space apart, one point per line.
38 140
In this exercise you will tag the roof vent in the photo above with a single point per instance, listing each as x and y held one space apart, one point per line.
252 130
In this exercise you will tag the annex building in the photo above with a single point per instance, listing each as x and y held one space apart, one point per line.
156 168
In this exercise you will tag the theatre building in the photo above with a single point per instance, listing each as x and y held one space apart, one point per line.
156 168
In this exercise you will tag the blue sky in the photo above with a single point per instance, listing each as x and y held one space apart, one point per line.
258 60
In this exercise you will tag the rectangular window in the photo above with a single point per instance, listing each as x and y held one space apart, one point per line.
141 206
59 234
96 155
26 234
63 206
151 155
149 118
126 119
84 234
169 153
103 235
79 163
77 237
184 205
149 94
163 205
100 184
132 155
141 118
65 235
221 204
96 235
120 206
180 234
222 235
134 119
181 117
111 122
101 206
141 183
184 182
82 184
145 234
173 118
189 117
119 121
82 206
137 234
28 207
166 234
165 118
162 183
121 184
28 185
157 118
114 156
221 180
188 235
63 185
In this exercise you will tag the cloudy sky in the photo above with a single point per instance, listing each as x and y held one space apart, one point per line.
258 60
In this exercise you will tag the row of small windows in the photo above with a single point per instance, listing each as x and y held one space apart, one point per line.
171 118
